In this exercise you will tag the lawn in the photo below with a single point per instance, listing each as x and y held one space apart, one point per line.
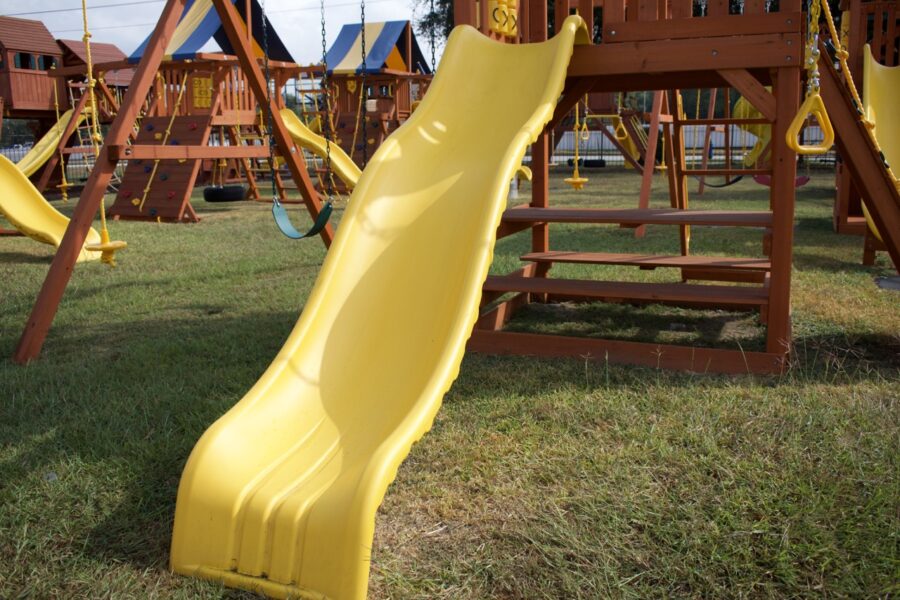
540 478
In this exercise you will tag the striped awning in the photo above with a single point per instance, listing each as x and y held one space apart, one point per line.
385 49
200 23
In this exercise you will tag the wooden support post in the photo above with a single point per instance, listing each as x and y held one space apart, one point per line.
54 286
650 158
674 154
784 170
540 195
707 138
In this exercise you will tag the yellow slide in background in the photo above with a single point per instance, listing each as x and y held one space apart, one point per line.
881 89
46 146
29 212
342 164
280 494
743 109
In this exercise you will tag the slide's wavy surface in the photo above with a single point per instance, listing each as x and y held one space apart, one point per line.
280 494
342 164
46 146
881 88
29 212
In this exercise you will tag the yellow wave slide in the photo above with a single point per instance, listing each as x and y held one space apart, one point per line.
280 494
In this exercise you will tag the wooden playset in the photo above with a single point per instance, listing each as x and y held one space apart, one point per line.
117 146
660 46
396 74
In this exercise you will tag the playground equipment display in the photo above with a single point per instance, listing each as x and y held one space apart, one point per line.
280 494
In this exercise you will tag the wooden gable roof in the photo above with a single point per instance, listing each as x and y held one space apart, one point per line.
25 35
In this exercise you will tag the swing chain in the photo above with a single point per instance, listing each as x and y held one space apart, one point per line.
812 48
365 89
326 120
268 109
434 24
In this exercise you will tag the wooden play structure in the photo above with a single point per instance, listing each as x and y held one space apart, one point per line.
649 47
396 75
233 28
198 98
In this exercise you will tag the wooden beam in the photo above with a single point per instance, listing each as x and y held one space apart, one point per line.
752 90
656 356
673 56
54 286
781 194
707 27
150 151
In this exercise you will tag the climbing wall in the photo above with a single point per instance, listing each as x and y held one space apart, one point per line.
168 193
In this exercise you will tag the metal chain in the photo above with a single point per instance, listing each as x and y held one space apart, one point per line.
326 111
434 24
365 90
268 109
812 47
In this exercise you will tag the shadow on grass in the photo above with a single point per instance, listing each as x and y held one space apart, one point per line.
134 412
125 413
25 258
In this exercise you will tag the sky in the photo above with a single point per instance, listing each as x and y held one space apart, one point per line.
297 21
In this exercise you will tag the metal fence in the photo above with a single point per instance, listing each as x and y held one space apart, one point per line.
597 146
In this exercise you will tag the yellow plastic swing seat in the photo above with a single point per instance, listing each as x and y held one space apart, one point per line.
576 182
107 248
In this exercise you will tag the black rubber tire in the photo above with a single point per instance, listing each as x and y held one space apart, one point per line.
225 193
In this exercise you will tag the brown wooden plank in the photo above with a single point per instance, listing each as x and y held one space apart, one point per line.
752 90
680 294
715 8
656 356
183 152
649 260
670 56
633 216
613 12
707 27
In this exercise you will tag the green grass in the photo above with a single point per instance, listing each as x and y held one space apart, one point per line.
540 479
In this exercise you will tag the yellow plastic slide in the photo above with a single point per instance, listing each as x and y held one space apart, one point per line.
46 146
27 210
881 88
342 164
280 494
743 109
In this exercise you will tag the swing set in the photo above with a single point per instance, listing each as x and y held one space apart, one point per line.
116 146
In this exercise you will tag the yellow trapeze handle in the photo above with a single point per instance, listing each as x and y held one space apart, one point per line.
621 133
812 106
585 132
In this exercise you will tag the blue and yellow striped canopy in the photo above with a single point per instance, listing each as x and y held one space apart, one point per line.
385 49
200 23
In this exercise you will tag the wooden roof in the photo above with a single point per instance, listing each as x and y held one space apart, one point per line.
26 35
100 52
74 54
